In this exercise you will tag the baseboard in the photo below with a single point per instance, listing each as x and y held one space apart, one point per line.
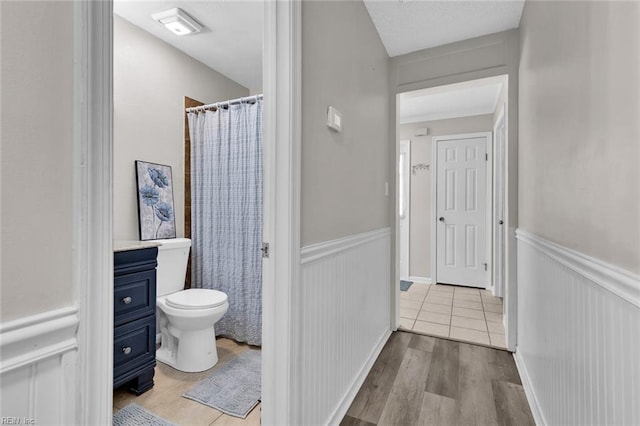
528 389
342 409
421 280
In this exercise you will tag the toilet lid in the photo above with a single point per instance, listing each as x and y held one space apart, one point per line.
196 298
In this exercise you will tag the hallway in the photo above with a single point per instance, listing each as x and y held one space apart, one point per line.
422 380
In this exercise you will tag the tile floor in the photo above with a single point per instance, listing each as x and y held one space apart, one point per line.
459 313
165 398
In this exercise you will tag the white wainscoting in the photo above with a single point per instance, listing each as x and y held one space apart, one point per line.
38 365
344 321
578 345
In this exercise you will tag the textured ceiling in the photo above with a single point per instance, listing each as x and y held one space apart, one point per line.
231 42
408 26
456 100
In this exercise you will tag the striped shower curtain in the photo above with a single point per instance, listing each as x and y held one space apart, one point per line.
226 213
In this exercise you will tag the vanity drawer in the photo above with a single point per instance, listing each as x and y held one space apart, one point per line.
134 344
134 296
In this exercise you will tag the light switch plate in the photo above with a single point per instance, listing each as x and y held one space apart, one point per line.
334 119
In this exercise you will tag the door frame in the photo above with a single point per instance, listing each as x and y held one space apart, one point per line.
405 242
488 203
93 204
497 290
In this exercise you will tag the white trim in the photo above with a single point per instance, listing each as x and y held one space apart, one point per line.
316 251
405 233
490 213
436 117
534 405
282 147
39 366
350 395
500 122
421 280
35 338
434 210
93 195
616 280
488 201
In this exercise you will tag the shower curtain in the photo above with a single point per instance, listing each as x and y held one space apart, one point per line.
226 213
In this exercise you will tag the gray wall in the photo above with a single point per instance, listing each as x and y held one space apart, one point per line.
344 64
151 79
420 209
37 157
580 127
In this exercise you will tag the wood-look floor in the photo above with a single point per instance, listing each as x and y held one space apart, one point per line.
423 380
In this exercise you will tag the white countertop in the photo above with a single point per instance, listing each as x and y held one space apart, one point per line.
126 245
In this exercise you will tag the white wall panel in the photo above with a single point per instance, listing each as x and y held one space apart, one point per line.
578 329
344 322
38 368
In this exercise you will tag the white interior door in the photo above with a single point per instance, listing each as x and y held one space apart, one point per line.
404 204
461 192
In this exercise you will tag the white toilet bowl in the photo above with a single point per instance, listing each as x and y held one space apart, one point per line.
186 320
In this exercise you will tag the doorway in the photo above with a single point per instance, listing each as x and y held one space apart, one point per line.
452 148
95 191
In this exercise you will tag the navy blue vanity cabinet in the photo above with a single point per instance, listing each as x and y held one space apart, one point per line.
134 317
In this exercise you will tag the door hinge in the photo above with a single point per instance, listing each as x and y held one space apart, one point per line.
485 266
265 250
486 156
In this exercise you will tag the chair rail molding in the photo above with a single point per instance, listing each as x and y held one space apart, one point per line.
38 367
610 277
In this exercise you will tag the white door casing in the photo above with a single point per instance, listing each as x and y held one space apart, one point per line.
404 205
93 194
499 206
461 210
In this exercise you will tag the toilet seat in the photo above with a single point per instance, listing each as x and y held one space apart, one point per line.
196 298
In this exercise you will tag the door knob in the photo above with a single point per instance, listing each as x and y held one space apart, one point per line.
441 219
500 222
126 350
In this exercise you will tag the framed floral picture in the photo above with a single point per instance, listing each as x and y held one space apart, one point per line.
155 201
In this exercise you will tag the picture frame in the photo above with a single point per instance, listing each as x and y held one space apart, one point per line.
156 213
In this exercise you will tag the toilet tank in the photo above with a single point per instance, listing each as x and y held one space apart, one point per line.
173 256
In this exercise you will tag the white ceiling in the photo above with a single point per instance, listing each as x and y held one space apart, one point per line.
456 100
230 43
407 26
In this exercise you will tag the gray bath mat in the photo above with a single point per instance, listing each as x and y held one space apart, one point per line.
404 285
235 388
134 415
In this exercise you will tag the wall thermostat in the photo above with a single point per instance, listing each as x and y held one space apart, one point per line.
334 119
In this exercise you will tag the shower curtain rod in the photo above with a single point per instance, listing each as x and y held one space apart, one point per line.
223 104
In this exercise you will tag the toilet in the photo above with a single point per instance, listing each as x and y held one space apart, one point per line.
186 318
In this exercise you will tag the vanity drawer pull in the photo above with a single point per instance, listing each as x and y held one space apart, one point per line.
126 350
127 300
